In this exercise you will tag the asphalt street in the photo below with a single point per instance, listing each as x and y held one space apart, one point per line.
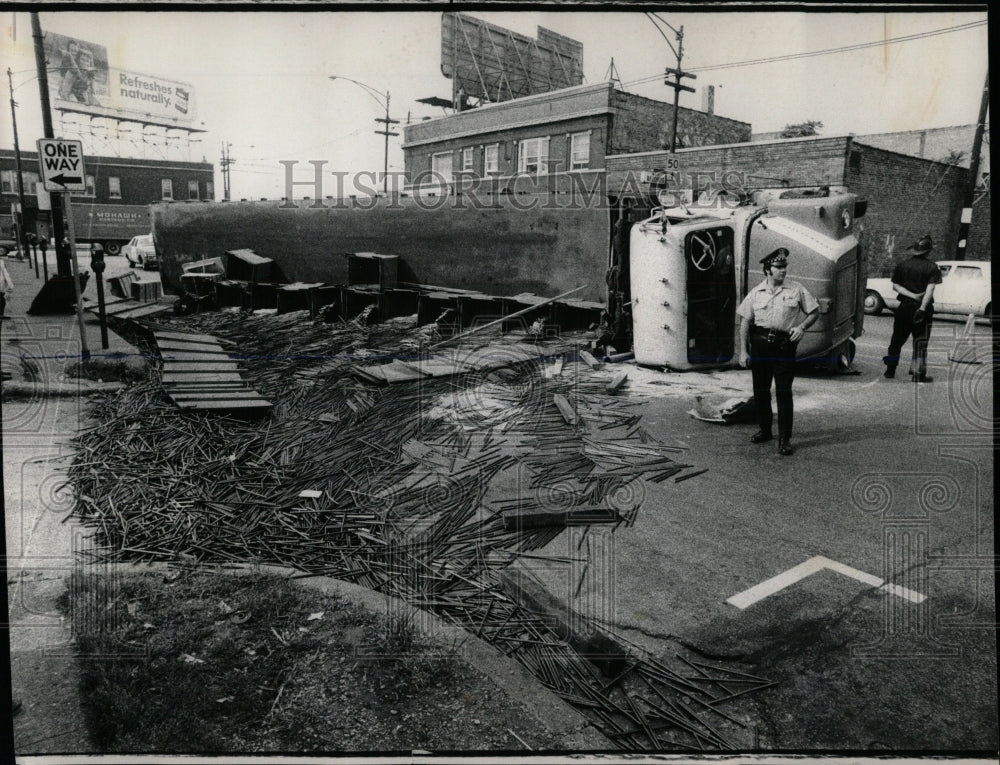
891 484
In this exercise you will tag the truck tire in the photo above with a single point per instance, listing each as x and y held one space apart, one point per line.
874 304
841 358
112 247
3 250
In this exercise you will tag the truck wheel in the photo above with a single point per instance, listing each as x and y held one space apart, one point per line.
841 358
874 304
3 250
112 247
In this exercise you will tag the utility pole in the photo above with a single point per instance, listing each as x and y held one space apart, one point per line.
58 224
22 235
970 190
677 73
225 162
386 132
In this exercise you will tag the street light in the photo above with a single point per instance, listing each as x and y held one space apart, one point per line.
383 100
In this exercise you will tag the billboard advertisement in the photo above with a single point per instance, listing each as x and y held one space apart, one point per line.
81 80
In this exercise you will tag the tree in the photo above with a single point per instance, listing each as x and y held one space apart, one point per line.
954 157
802 129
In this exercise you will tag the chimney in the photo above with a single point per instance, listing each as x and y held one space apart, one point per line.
708 99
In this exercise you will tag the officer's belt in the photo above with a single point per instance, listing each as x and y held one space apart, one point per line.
770 335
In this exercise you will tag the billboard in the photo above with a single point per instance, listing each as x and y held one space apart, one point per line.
81 80
492 64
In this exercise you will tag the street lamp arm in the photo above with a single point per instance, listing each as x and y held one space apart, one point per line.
379 96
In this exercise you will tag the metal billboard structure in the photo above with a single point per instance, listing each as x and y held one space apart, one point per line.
156 110
488 63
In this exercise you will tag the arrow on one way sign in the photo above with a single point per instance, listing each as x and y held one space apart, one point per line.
61 164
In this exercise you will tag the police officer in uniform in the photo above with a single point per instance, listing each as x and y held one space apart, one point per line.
913 280
773 318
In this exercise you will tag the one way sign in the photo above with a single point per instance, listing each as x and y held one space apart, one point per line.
61 164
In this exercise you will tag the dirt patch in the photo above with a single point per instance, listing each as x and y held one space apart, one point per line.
218 663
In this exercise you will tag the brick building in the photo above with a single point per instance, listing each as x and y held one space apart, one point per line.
907 196
113 184
572 129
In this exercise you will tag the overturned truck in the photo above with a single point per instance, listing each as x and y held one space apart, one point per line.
670 278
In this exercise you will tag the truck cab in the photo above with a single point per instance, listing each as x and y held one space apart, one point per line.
691 265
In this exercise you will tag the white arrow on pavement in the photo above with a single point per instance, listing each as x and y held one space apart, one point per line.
787 578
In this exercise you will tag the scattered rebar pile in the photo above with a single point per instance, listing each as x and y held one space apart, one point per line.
391 488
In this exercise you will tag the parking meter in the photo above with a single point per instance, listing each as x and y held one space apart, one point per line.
43 245
97 259
97 264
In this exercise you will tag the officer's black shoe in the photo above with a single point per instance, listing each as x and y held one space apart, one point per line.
890 372
923 378
760 437
785 447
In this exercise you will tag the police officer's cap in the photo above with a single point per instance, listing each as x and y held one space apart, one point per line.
777 258
922 245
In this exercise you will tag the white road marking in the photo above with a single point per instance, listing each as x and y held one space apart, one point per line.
795 574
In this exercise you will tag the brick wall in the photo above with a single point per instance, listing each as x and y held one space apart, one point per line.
979 246
642 124
792 162
418 159
932 143
907 198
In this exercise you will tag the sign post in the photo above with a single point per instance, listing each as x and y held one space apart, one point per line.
62 170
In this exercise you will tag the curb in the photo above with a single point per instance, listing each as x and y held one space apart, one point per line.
573 730
14 389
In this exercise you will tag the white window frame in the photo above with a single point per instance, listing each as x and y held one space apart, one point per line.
193 192
8 181
166 189
533 155
30 181
575 150
114 187
491 159
468 159
210 190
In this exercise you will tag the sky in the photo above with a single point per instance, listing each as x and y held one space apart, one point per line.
261 78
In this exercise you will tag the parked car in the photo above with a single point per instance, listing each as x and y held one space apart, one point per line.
965 288
7 245
140 251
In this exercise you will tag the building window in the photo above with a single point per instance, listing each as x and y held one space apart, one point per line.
8 182
533 155
441 166
166 189
209 189
491 159
115 187
192 189
579 151
89 192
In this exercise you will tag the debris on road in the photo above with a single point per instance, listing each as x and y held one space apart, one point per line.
406 478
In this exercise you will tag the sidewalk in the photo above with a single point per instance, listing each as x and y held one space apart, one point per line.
43 408
37 350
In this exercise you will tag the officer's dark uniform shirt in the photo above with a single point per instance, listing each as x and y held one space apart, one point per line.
915 274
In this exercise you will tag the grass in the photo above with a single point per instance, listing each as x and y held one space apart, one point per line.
255 663
107 369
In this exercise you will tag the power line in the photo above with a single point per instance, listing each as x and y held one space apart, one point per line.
825 52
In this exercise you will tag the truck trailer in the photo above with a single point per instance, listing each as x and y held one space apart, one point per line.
110 225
